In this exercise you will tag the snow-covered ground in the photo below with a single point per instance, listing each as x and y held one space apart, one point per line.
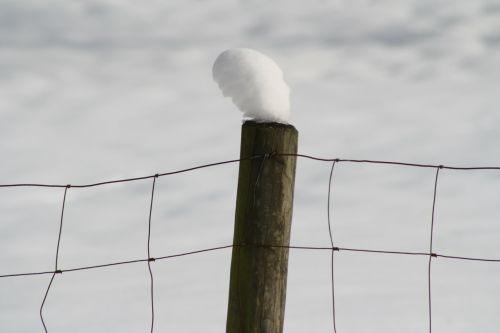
98 90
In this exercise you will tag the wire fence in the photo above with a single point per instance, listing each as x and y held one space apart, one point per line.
332 248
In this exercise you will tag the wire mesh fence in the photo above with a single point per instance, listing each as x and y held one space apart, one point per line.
334 249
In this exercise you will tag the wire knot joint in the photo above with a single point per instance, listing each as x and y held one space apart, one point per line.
268 156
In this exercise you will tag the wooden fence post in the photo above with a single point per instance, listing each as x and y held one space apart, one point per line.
264 203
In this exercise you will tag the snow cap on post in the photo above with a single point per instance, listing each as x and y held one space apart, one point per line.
255 83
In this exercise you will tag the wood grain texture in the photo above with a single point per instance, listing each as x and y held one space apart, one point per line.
264 205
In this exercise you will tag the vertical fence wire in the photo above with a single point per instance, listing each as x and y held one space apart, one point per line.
56 269
332 244
150 259
44 299
431 254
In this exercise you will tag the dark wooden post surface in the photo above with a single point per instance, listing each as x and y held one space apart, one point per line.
264 205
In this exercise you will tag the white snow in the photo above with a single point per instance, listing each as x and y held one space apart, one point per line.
255 83
124 87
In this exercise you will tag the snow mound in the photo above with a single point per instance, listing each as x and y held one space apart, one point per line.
255 83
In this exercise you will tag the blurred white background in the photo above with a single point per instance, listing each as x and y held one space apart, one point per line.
103 89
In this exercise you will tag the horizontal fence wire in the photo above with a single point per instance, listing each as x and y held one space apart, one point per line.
223 247
332 248
203 166
125 180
